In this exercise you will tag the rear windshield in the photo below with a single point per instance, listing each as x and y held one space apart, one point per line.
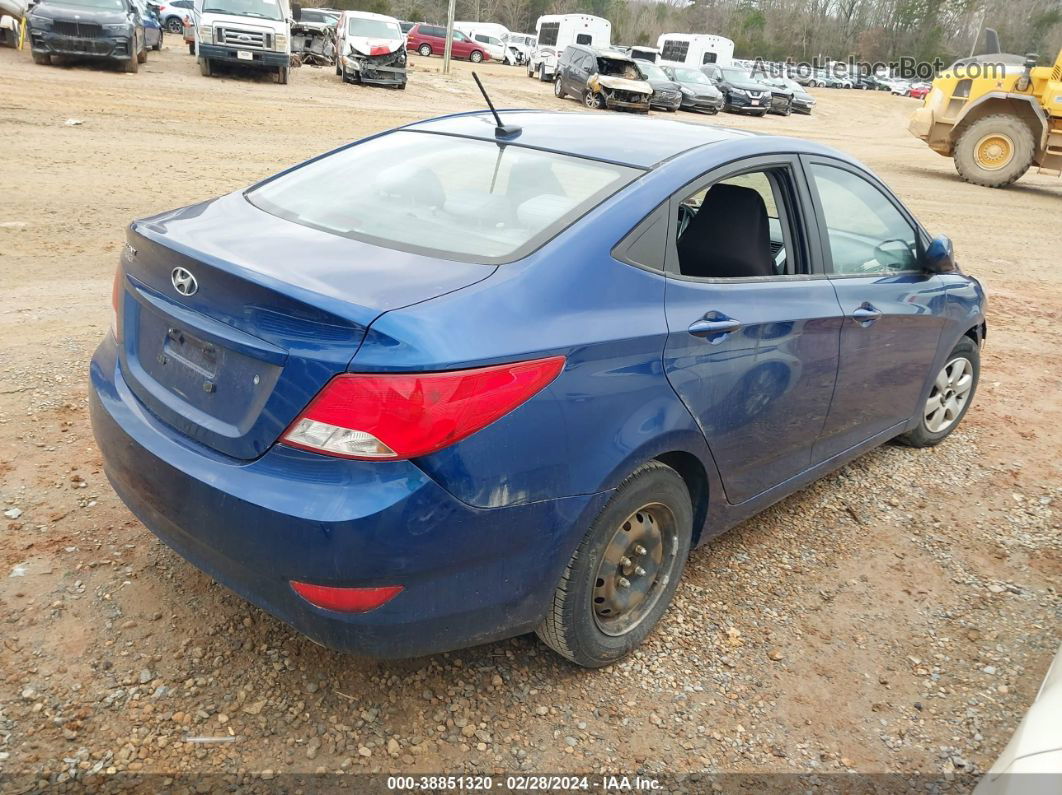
459 198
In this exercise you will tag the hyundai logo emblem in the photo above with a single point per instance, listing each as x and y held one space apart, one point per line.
183 281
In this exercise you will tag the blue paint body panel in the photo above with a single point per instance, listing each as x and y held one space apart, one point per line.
189 406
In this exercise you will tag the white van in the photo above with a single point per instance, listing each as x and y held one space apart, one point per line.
557 31
252 34
492 36
370 48
522 44
694 50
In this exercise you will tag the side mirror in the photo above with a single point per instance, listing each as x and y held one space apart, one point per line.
296 11
940 256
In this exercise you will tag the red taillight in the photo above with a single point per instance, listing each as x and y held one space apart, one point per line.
399 415
346 600
116 303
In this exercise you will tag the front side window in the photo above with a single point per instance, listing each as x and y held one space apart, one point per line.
548 34
867 233
674 50
739 227
453 197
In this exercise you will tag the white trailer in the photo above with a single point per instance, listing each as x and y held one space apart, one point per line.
694 49
557 31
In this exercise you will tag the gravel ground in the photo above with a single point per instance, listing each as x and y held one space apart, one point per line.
895 617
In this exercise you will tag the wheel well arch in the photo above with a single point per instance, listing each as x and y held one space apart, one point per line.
978 333
992 104
692 472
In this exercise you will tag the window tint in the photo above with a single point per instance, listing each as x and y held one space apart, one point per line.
867 233
738 227
442 195
547 34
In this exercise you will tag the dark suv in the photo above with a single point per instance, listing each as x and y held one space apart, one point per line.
109 29
602 79
741 94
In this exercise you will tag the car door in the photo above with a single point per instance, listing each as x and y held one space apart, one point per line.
752 348
894 311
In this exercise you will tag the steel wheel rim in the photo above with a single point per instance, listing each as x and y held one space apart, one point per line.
949 396
994 151
635 569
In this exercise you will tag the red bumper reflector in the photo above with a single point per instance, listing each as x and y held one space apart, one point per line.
346 600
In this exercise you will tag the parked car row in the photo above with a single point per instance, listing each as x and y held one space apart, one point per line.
613 79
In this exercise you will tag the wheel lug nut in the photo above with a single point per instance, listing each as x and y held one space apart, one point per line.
625 561
639 549
639 571
623 582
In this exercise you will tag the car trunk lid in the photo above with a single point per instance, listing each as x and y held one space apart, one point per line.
272 311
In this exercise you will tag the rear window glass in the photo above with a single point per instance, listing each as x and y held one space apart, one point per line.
453 197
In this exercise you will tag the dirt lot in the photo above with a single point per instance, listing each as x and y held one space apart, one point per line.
895 617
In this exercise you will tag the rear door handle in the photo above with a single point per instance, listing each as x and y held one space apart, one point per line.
714 325
866 314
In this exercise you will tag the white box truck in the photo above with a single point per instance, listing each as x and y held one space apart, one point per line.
557 31
694 49
245 34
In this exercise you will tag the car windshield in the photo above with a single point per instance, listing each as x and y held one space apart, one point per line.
734 75
618 67
264 9
374 28
109 5
691 76
447 196
652 71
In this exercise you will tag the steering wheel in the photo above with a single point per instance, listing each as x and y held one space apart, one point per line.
893 259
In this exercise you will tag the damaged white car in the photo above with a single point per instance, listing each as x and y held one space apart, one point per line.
371 48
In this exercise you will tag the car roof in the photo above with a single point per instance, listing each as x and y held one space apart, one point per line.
366 15
630 140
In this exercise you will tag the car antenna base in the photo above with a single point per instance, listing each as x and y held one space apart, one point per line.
500 130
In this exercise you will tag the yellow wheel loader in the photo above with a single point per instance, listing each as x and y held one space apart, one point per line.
996 116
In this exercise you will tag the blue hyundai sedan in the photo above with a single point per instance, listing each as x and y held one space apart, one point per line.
459 381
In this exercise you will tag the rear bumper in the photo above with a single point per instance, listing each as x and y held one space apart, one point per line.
470 575
111 47
259 58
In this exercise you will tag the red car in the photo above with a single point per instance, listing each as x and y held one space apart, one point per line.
431 40
919 93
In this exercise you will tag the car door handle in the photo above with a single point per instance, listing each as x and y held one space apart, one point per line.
714 325
866 314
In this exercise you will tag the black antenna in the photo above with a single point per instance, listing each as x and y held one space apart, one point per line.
500 130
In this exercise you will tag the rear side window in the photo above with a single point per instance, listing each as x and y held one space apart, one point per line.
459 198
584 38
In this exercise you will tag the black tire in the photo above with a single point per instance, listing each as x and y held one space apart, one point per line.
425 50
475 56
174 25
42 59
593 100
1023 149
282 75
571 626
402 86
158 47
205 67
132 64
921 435
141 56
542 73
558 90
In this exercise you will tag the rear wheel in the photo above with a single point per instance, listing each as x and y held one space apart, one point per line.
995 151
949 398
542 73
425 50
476 56
158 44
558 92
623 575
174 25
